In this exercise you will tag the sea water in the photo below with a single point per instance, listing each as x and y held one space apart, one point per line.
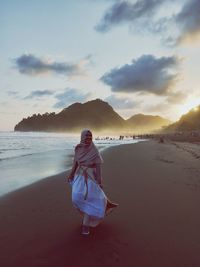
26 157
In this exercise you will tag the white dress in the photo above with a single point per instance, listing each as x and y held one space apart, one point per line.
87 195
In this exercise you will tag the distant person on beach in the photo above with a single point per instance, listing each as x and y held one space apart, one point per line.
86 181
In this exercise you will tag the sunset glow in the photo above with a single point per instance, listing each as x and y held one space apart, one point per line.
192 104
140 56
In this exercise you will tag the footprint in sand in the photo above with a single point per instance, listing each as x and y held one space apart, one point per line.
115 256
165 160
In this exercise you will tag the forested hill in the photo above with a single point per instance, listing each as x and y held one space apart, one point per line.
96 115
188 122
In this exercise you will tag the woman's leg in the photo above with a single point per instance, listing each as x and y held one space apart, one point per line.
86 219
86 223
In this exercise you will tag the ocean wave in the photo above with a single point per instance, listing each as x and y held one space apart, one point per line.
57 151
14 149
19 156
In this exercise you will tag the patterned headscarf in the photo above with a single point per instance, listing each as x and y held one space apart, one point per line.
87 154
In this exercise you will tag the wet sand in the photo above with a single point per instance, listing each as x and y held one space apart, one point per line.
157 223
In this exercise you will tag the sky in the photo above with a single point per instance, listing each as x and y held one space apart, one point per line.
140 56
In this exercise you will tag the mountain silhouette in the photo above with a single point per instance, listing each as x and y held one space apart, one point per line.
96 115
188 122
147 123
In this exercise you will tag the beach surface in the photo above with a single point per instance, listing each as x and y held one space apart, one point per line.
157 223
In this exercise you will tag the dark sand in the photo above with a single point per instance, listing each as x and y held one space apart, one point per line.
156 225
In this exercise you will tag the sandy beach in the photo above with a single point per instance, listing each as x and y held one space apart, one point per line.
157 223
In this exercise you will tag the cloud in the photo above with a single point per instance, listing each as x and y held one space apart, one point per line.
168 105
100 1
172 21
188 20
70 96
157 108
4 103
13 94
176 97
121 102
127 12
146 74
38 94
32 65
181 27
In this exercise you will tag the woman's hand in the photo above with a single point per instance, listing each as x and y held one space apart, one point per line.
69 178
101 186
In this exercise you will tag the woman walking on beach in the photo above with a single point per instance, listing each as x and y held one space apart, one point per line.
86 180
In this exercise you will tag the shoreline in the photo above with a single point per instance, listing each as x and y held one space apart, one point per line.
156 224
41 176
